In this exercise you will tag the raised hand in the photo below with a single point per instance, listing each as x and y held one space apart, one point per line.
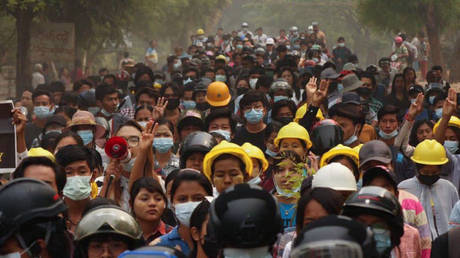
19 119
311 88
159 108
148 135
416 108
320 94
450 104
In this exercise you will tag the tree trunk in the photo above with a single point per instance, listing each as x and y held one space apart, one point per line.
433 34
23 67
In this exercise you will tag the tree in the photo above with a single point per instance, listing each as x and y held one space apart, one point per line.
432 16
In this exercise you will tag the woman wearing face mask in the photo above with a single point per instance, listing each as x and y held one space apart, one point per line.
293 137
398 94
163 145
410 77
379 209
283 111
84 124
313 205
221 75
202 246
288 75
259 163
148 203
143 114
189 188
288 174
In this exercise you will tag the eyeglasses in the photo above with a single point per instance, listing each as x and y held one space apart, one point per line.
113 246
132 141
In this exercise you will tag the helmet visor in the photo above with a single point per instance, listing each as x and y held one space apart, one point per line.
146 254
328 249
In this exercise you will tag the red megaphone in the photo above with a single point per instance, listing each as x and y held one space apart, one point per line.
117 148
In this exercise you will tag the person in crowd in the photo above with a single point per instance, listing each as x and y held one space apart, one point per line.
43 109
194 148
188 190
202 246
107 98
259 163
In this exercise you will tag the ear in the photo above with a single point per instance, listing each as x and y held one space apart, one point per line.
195 234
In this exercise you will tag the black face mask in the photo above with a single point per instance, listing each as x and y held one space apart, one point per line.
202 106
364 92
172 104
428 180
210 247
285 119
241 91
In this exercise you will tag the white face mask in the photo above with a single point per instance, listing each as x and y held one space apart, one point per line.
77 187
255 181
253 82
183 212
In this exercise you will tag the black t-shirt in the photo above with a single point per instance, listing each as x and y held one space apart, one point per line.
258 139
31 132
440 246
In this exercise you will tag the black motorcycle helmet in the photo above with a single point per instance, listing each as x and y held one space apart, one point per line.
196 142
325 135
335 236
245 216
24 201
377 201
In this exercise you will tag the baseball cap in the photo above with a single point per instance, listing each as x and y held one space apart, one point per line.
374 150
351 97
380 170
56 119
270 41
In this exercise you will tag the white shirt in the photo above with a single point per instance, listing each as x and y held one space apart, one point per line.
37 79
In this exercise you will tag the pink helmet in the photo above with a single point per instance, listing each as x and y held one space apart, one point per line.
398 39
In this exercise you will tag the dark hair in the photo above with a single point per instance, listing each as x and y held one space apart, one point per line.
141 70
49 141
225 156
273 127
39 92
104 90
69 98
264 81
190 175
283 103
129 123
388 110
148 91
436 68
291 155
198 217
294 79
174 87
251 97
413 133
96 158
407 70
72 134
78 84
68 111
171 176
369 76
72 153
139 108
330 200
167 123
59 175
393 86
149 184
348 110
57 86
220 113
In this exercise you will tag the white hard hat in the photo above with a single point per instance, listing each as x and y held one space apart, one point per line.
244 24
270 41
294 28
335 176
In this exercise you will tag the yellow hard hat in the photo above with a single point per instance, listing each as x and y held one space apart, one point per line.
40 152
221 57
200 31
293 130
302 110
429 152
217 94
256 153
225 147
454 121
337 151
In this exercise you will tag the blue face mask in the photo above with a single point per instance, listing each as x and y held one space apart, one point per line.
350 140
278 98
42 112
340 87
221 78
163 144
382 240
271 153
451 146
431 99
254 116
224 133
387 136
189 104
86 136
438 112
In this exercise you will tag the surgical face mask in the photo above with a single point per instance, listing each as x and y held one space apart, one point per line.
287 194
172 103
239 46
316 60
438 112
255 181
254 116
93 110
340 87
387 136
451 146
183 212
278 98
129 165
412 101
163 144
42 112
143 123
226 134
431 99
382 239
428 179
296 46
253 82
176 66
77 187
221 78
341 44
271 153
184 82
189 104
351 139
53 131
86 135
